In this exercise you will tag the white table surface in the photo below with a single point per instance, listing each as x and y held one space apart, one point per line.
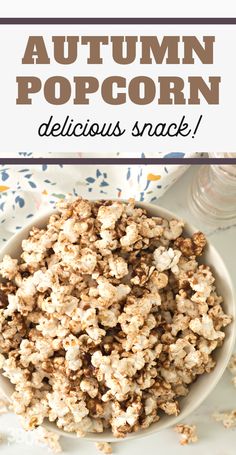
214 439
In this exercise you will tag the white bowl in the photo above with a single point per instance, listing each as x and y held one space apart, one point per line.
205 383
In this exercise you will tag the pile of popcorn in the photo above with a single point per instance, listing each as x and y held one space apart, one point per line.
106 319
188 433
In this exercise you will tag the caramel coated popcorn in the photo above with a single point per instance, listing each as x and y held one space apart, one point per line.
188 433
49 439
232 365
104 447
227 418
232 368
106 319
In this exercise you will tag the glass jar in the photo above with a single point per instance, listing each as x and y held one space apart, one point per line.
213 193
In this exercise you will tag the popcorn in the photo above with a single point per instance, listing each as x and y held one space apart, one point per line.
106 320
227 418
87 262
186 306
150 405
104 447
191 246
158 281
108 215
124 419
110 293
179 323
170 408
201 282
109 317
204 327
90 386
49 438
107 243
150 229
188 432
72 348
118 267
69 230
34 414
174 229
232 365
4 300
186 267
8 267
166 259
131 235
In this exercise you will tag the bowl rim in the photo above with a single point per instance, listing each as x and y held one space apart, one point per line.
173 420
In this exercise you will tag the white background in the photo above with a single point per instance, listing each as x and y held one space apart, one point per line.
121 8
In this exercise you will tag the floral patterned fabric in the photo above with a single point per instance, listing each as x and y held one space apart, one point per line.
26 191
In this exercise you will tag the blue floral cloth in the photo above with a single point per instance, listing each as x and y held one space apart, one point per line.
25 191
